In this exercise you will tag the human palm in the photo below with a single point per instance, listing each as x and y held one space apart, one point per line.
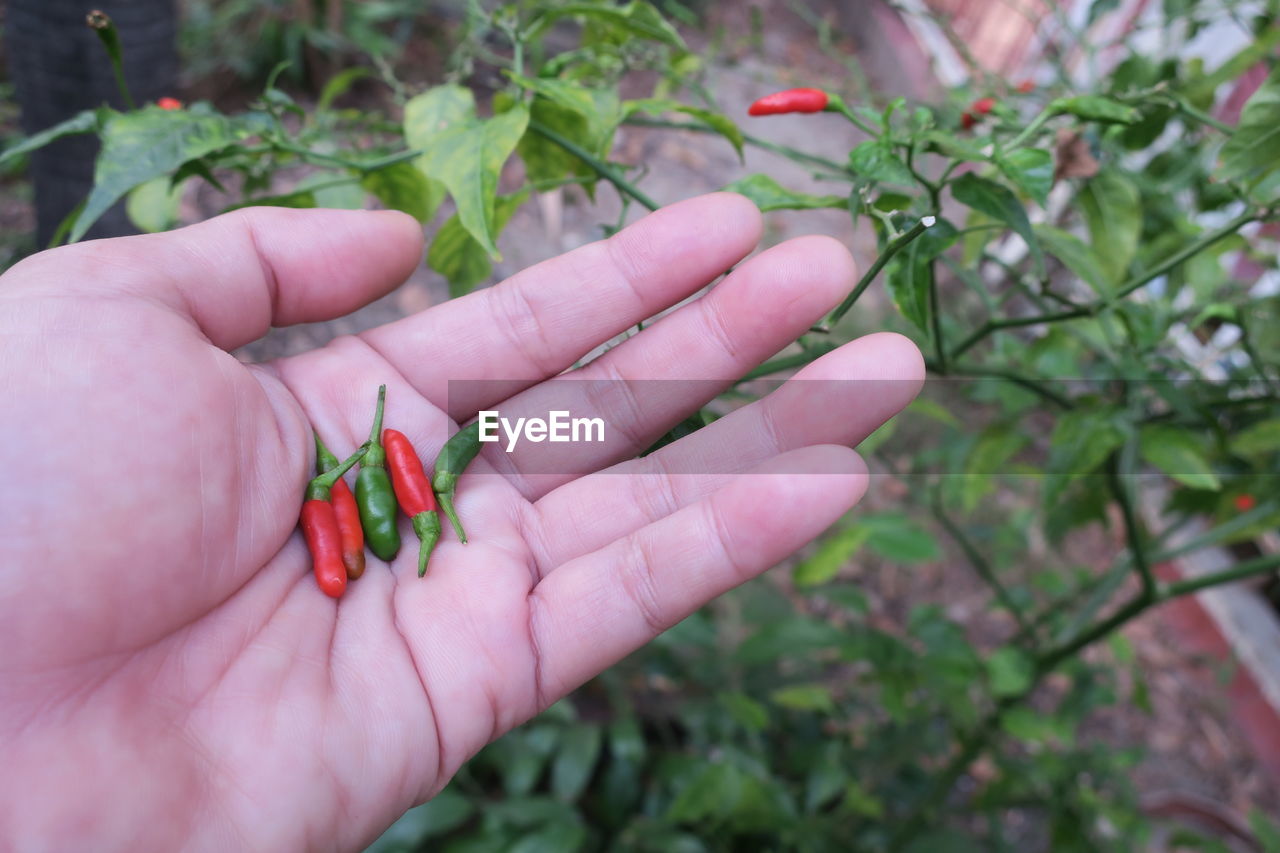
172 676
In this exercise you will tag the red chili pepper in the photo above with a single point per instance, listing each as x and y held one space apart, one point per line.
169 103
320 528
967 120
790 101
348 514
413 492
982 106
1244 503
1027 86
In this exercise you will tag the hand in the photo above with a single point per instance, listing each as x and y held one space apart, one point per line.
172 677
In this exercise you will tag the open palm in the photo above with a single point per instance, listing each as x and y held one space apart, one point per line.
171 676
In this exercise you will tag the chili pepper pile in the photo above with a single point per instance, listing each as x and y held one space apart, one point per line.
336 524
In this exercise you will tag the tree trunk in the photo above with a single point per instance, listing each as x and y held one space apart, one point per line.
59 68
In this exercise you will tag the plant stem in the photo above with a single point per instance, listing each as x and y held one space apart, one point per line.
763 144
1117 466
789 362
972 744
101 24
869 276
1240 571
601 168
935 319
1198 115
1038 388
838 105
980 564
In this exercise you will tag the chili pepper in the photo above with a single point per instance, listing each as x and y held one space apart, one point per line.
454 458
344 507
374 496
1027 86
1244 503
320 528
413 490
982 106
169 103
967 120
790 101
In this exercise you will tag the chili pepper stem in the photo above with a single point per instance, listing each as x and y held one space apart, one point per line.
377 456
427 526
319 487
446 504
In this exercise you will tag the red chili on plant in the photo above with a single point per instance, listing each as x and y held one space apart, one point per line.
1246 502
982 106
167 103
967 120
1027 86
790 101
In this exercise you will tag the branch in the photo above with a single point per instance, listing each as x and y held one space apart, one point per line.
600 167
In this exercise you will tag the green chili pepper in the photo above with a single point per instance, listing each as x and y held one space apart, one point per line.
454 458
375 498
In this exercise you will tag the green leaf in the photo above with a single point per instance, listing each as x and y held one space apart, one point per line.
718 122
1112 210
1259 439
1178 453
635 19
85 122
150 142
1082 439
826 778
301 199
544 160
909 277
950 145
747 712
468 160
1254 147
557 837
900 539
153 206
403 187
1031 170
1028 725
456 255
988 457
1095 108
875 160
344 194
1000 204
769 195
1265 830
338 85
575 762
1075 256
834 552
712 793
794 637
804 697
1010 670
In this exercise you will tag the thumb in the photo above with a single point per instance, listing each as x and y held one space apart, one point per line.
238 274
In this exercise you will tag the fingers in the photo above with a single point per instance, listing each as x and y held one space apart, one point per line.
696 352
597 608
238 274
540 321
839 399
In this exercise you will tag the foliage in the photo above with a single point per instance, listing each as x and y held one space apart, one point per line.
1080 235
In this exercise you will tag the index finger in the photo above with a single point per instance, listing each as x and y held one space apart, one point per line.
540 321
